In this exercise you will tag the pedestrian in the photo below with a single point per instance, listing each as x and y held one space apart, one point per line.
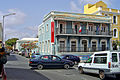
3 59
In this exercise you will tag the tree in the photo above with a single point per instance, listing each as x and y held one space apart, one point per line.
11 42
29 45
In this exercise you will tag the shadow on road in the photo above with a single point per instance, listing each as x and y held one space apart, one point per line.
12 58
52 69
23 74
96 75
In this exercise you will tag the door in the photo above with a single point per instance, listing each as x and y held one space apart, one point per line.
84 43
61 28
76 30
73 46
93 46
103 46
62 46
45 60
115 62
56 62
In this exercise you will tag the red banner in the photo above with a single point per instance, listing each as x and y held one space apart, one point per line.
52 32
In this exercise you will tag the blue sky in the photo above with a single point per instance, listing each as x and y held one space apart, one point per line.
30 13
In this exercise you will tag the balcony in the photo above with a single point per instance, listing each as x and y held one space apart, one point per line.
85 32
82 49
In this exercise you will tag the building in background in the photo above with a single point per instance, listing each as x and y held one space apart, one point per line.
74 33
25 40
100 8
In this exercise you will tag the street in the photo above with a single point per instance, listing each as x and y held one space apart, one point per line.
17 68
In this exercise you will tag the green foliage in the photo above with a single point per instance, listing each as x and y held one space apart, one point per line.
11 42
29 45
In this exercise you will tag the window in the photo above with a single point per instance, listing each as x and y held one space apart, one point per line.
114 57
76 29
43 30
45 46
45 58
48 46
55 58
61 28
114 19
106 14
73 46
40 32
47 27
42 46
94 45
62 46
100 60
90 28
103 28
115 32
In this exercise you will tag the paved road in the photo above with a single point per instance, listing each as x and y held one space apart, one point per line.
17 69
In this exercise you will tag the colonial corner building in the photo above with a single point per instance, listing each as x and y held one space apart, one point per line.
74 33
100 8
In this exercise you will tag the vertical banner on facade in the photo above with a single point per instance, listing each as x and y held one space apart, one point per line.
52 32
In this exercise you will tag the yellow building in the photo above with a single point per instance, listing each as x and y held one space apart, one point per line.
100 8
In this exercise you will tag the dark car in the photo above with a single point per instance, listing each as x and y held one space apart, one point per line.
71 57
50 61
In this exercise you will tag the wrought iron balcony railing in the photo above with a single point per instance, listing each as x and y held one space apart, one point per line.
83 32
82 49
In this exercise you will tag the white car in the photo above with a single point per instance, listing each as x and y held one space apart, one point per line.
103 63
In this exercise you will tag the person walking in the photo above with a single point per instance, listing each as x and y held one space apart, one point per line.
3 60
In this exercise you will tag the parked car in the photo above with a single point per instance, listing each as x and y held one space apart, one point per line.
71 57
35 55
103 63
50 61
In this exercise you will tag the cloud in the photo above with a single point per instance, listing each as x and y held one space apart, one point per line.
17 19
79 5
13 20
11 33
74 7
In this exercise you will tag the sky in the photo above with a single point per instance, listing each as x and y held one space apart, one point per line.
30 13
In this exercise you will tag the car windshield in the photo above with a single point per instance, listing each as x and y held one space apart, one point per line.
62 56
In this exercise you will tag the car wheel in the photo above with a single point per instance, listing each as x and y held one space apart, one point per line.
81 70
102 75
40 67
66 66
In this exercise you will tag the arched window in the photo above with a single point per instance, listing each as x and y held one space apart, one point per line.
115 32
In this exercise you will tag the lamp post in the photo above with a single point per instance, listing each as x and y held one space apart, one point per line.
3 33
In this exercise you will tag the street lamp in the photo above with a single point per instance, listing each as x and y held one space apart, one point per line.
3 24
